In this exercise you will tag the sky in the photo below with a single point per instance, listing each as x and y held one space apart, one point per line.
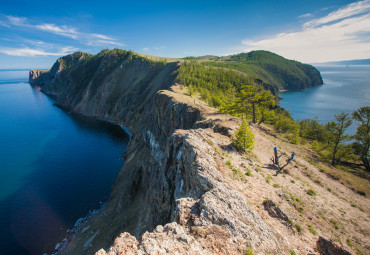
33 34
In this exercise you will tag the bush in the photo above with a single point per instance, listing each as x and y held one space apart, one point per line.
298 227
244 137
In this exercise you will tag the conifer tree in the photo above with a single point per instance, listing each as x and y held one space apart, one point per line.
337 137
244 137
361 145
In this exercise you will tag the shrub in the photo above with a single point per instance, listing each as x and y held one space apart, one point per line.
228 163
298 227
334 223
249 251
312 230
311 192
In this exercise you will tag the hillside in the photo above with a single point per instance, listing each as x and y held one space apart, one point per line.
271 68
184 188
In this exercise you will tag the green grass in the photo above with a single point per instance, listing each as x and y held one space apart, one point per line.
228 163
298 227
311 192
248 251
349 242
291 252
311 229
335 223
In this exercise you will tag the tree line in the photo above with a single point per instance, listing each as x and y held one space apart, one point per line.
332 137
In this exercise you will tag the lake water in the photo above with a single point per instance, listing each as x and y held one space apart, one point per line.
345 89
54 167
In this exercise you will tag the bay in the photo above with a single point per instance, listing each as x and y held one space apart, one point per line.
55 167
345 89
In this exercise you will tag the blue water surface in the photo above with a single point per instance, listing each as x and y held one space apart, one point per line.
345 89
54 166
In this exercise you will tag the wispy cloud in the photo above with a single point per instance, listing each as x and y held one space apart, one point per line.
28 52
346 12
66 31
307 15
154 48
61 30
38 43
340 35
102 36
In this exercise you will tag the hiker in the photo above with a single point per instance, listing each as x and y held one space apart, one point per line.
291 158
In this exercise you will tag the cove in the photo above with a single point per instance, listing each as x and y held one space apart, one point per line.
55 167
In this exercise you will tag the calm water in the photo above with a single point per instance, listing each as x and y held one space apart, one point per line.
345 89
54 167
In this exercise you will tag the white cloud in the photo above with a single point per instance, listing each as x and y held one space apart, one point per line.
102 36
340 35
66 31
17 21
346 12
154 48
61 30
27 52
307 15
104 42
38 43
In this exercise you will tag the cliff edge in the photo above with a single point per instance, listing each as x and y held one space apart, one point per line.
183 189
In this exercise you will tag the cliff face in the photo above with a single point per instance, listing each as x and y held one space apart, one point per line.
37 77
170 175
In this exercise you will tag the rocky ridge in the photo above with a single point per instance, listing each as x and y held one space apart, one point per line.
172 195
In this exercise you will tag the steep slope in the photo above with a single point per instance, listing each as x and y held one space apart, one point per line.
184 189
169 174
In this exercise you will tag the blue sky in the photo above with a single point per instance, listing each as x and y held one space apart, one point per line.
33 34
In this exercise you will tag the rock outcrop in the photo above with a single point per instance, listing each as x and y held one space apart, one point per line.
38 77
329 247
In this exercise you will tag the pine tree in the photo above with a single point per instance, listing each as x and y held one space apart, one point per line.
361 145
244 137
337 137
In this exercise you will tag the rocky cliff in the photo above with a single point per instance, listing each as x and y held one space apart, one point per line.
172 195
37 77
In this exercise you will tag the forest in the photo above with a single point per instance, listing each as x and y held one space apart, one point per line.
269 67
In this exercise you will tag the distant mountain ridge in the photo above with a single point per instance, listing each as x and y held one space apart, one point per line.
270 68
